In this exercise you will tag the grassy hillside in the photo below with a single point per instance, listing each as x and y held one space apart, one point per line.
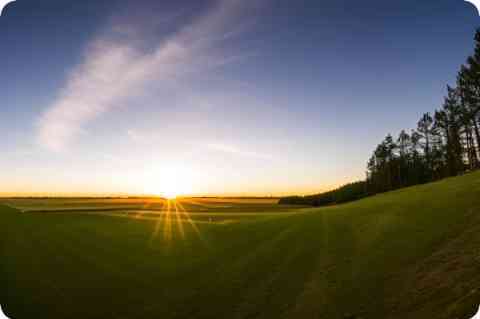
413 253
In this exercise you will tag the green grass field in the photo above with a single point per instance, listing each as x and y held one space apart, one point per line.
413 253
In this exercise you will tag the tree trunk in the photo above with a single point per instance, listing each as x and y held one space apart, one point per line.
477 135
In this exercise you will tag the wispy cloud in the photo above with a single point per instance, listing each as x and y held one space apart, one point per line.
116 67
234 150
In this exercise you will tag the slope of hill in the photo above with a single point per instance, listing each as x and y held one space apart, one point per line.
412 253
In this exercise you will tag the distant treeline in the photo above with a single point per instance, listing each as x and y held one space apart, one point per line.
346 193
445 143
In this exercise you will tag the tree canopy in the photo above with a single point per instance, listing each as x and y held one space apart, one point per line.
444 143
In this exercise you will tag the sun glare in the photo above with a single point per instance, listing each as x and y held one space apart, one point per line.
170 194
169 182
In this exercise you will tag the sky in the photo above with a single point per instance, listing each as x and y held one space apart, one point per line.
215 97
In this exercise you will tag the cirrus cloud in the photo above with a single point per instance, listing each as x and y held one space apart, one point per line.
116 67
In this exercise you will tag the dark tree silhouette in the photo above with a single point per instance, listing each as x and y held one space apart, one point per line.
442 145
446 144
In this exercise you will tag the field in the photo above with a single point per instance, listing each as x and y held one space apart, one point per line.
413 253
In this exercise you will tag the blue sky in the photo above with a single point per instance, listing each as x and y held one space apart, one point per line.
215 97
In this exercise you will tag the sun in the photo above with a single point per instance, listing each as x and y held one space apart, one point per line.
170 195
171 191
169 182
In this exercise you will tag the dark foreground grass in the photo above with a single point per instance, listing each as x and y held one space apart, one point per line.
413 253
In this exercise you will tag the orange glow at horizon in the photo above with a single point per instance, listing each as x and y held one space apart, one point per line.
171 179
